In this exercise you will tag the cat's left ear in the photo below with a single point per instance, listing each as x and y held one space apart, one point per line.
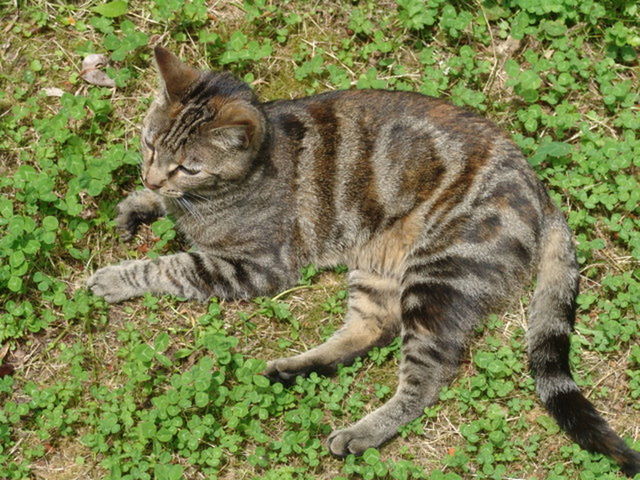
239 123
176 76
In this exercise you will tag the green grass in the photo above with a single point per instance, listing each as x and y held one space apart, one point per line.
159 388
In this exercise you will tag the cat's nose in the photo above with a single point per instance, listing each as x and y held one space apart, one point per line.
151 186
153 180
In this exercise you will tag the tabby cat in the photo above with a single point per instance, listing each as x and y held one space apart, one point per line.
435 211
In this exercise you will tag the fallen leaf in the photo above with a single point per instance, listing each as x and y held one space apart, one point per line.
53 91
91 70
6 369
507 48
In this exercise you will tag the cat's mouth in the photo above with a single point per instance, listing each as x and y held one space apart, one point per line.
170 193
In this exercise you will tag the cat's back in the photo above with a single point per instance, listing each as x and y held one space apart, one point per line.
389 132
362 159
377 111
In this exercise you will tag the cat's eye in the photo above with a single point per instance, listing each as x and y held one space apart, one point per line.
187 170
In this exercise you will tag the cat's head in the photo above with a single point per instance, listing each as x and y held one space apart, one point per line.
202 131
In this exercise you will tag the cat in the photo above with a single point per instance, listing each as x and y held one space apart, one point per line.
434 210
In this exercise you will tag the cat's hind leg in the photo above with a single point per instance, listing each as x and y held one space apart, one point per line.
442 301
372 319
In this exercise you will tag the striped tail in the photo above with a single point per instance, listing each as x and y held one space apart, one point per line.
552 315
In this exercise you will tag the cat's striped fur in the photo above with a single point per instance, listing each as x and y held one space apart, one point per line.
434 210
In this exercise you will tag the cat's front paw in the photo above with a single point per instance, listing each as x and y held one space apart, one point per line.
108 283
355 440
138 208
128 220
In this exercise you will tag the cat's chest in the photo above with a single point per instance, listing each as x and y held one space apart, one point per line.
207 230
244 227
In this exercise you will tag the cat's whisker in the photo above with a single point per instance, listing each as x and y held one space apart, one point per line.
190 208
185 206
180 201
197 196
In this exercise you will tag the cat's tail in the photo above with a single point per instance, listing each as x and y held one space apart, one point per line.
552 315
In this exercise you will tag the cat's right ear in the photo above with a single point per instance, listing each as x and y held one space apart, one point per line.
175 76
240 124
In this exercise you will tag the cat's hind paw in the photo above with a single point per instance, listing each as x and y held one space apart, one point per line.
285 370
344 442
356 439
277 372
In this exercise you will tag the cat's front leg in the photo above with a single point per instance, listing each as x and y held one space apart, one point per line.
119 282
189 275
142 206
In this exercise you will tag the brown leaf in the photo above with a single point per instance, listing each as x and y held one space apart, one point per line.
6 369
91 70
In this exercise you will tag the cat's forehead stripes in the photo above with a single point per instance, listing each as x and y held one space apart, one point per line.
188 120
199 103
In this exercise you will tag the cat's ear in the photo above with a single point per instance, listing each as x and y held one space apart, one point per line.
240 124
176 77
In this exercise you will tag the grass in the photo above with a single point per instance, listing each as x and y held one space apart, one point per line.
160 388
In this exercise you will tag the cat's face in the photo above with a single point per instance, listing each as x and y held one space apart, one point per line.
202 131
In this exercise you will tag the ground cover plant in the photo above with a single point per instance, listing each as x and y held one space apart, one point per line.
167 389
